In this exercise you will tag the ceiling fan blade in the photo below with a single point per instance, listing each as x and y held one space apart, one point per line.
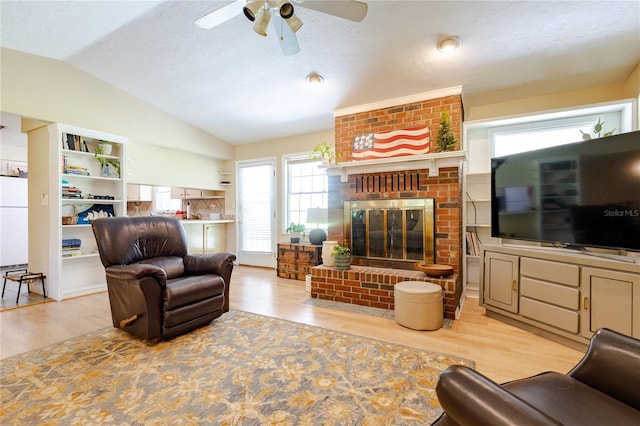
348 9
286 37
221 15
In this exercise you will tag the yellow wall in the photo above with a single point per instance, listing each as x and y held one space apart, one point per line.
558 101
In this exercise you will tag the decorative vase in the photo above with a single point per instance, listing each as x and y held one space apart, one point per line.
294 237
105 171
317 236
342 261
327 252
106 148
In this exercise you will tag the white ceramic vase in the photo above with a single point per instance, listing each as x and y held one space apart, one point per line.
327 252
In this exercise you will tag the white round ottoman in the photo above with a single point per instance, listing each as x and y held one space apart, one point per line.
418 305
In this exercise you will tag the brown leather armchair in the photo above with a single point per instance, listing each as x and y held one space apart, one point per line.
156 289
602 389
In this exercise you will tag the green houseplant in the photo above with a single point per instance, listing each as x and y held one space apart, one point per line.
446 140
295 230
106 163
326 153
597 132
342 256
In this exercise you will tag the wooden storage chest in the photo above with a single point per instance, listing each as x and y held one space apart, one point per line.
296 260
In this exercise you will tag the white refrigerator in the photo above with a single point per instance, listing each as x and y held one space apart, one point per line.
14 221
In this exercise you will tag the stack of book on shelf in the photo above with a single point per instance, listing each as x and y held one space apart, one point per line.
70 191
76 170
74 143
473 244
73 170
71 247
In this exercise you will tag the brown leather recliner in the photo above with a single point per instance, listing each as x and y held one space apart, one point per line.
602 389
156 289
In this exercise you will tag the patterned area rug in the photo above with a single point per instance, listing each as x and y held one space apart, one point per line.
242 369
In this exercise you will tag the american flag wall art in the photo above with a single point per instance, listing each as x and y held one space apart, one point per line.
397 143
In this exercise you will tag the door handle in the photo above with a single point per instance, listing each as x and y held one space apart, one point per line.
513 285
585 303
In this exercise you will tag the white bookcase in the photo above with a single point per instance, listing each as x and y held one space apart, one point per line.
476 206
477 225
63 183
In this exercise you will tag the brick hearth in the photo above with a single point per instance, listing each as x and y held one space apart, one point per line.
370 286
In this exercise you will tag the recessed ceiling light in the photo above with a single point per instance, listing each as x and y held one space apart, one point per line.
315 79
449 44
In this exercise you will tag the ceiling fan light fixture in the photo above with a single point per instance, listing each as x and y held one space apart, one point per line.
294 23
449 44
315 79
252 9
286 10
262 22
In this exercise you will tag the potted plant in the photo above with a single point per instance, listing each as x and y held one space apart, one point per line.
342 256
597 132
102 151
326 153
445 139
295 230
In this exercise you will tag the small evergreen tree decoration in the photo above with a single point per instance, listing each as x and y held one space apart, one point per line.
446 140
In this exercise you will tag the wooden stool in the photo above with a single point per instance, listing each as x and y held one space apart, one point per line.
22 276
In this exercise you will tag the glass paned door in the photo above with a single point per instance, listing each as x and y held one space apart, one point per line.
256 213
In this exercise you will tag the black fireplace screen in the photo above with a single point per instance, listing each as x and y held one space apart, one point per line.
391 229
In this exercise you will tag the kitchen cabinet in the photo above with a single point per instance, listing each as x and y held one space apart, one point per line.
68 187
205 237
137 192
191 193
178 193
214 237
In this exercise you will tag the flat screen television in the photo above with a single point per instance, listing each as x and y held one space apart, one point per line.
583 194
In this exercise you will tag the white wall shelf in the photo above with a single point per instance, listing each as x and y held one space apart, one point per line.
49 159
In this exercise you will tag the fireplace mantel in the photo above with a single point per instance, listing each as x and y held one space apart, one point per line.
434 162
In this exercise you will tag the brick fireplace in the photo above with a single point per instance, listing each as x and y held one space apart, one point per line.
397 179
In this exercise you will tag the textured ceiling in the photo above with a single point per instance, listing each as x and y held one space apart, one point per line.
239 87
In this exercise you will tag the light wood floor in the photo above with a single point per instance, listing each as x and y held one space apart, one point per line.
500 351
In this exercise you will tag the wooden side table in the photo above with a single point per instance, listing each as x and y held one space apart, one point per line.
296 260
23 276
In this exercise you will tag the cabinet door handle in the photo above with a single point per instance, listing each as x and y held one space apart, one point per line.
513 285
585 303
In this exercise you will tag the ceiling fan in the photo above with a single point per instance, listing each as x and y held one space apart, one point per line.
281 14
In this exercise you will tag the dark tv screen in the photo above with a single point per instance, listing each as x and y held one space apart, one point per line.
584 194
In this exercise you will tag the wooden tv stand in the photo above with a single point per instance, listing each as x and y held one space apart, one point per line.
561 294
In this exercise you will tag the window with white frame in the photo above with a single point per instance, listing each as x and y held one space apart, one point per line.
306 187
162 201
544 133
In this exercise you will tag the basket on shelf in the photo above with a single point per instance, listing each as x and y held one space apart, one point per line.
71 220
